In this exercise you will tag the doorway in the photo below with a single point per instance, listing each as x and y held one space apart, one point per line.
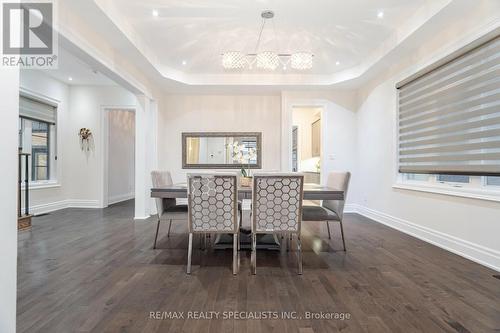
119 155
306 142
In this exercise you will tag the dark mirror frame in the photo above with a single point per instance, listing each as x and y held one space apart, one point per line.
257 135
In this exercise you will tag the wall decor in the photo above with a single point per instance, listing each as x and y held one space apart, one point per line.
222 150
85 135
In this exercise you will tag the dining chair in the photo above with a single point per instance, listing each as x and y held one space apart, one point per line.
167 208
330 210
213 209
277 209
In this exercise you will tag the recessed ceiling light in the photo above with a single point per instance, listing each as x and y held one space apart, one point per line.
337 63
184 62
155 13
380 14
70 78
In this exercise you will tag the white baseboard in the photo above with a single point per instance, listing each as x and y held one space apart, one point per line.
142 217
351 208
475 252
121 197
70 203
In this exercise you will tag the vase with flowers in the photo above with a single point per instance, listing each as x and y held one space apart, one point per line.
243 155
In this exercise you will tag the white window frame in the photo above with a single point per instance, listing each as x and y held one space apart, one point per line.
55 170
476 189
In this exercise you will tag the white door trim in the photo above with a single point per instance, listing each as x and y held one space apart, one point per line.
286 130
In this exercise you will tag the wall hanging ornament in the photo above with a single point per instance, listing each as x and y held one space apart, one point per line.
85 135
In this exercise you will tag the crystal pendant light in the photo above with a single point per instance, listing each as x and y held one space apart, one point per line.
233 60
301 60
267 60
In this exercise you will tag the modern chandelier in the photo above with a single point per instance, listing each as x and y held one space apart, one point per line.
267 60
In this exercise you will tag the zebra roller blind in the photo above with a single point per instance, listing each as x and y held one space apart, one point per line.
449 117
35 110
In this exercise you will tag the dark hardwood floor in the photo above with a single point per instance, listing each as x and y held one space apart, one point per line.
84 270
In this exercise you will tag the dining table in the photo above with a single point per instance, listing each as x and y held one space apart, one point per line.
312 192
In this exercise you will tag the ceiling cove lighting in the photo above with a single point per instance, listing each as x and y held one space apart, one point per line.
266 60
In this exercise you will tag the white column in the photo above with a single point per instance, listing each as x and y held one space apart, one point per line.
141 155
146 159
152 152
9 114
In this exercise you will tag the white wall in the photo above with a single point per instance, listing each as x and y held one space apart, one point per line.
121 155
200 113
87 105
80 173
469 227
9 104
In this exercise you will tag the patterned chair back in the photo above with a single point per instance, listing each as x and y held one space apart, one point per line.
277 202
212 203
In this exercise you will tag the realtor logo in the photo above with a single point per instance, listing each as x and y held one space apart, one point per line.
28 36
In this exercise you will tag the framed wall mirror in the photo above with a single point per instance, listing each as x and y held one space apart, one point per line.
222 150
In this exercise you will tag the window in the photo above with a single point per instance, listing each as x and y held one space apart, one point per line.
40 161
493 181
417 177
449 117
37 132
449 125
453 179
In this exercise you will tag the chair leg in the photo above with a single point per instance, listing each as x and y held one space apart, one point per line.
299 253
190 252
169 226
156 235
342 232
328 227
235 254
254 254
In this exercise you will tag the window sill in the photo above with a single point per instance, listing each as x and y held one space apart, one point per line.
42 185
473 193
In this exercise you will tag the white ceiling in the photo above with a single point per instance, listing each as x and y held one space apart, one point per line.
81 73
198 31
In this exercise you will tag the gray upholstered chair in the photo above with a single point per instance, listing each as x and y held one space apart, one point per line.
213 209
167 208
330 210
277 209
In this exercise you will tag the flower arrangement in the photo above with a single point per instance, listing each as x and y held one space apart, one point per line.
85 135
243 156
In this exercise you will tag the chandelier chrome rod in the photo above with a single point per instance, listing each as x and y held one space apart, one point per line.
260 34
